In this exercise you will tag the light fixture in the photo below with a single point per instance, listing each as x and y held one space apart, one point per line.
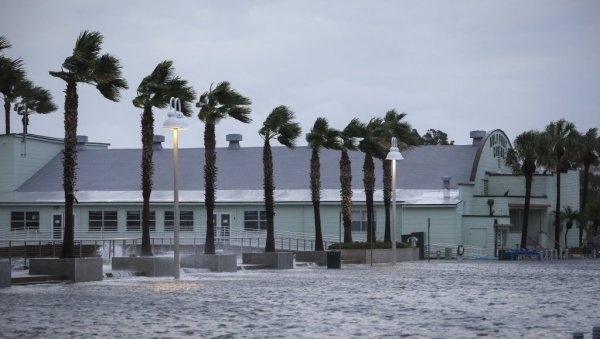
394 155
175 122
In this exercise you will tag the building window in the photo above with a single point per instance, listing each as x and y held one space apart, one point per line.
103 221
24 220
186 221
134 221
516 220
360 221
255 220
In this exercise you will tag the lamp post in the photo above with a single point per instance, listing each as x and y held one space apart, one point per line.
175 122
394 155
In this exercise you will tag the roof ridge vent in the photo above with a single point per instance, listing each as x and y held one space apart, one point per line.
477 137
82 141
234 141
157 141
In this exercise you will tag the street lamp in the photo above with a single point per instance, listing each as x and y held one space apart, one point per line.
175 122
394 155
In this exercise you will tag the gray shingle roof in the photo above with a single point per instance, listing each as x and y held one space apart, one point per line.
119 169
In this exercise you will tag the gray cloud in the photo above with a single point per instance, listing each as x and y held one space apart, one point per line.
456 66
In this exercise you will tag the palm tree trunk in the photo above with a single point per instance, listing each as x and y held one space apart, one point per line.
346 195
557 214
315 189
586 175
210 176
69 166
147 171
387 198
7 114
369 183
269 188
525 228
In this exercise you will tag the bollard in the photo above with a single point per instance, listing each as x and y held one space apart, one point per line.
577 335
596 332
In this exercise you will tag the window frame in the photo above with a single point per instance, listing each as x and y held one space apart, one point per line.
28 220
257 222
135 224
103 221
186 221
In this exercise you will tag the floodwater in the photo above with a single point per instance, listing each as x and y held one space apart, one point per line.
441 299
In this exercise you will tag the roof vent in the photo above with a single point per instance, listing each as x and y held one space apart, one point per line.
477 137
82 142
157 141
234 141
446 181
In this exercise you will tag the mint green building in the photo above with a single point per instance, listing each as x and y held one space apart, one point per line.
458 194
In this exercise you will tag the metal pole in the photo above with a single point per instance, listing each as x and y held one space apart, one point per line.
428 239
393 233
176 202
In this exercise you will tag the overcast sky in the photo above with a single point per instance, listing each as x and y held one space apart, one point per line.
456 66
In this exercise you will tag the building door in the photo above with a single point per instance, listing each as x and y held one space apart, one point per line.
57 226
222 222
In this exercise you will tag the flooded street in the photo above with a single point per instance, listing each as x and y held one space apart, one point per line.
441 299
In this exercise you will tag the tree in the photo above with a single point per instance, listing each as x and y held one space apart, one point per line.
592 214
436 137
12 74
588 149
559 140
371 143
156 90
85 65
217 104
320 136
392 126
34 99
523 158
569 216
279 125
347 143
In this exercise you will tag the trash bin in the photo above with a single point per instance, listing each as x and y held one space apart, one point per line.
334 259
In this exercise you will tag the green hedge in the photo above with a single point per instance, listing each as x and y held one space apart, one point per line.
367 245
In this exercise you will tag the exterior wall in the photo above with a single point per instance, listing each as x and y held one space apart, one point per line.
20 160
444 225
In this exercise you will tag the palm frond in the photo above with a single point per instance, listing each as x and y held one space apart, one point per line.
4 44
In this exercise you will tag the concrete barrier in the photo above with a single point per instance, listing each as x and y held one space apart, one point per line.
5 273
214 262
274 260
75 269
380 255
318 257
150 266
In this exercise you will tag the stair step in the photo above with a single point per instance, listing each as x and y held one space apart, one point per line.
38 279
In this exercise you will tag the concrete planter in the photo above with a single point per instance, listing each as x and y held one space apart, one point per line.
75 269
214 262
318 257
149 266
380 255
274 260
5 273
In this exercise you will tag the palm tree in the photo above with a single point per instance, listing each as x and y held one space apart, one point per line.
86 65
156 90
347 143
523 158
320 136
215 105
393 126
11 75
570 216
34 99
279 125
588 150
559 139
371 143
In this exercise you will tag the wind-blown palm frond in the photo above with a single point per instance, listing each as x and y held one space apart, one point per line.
4 44
223 101
34 99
